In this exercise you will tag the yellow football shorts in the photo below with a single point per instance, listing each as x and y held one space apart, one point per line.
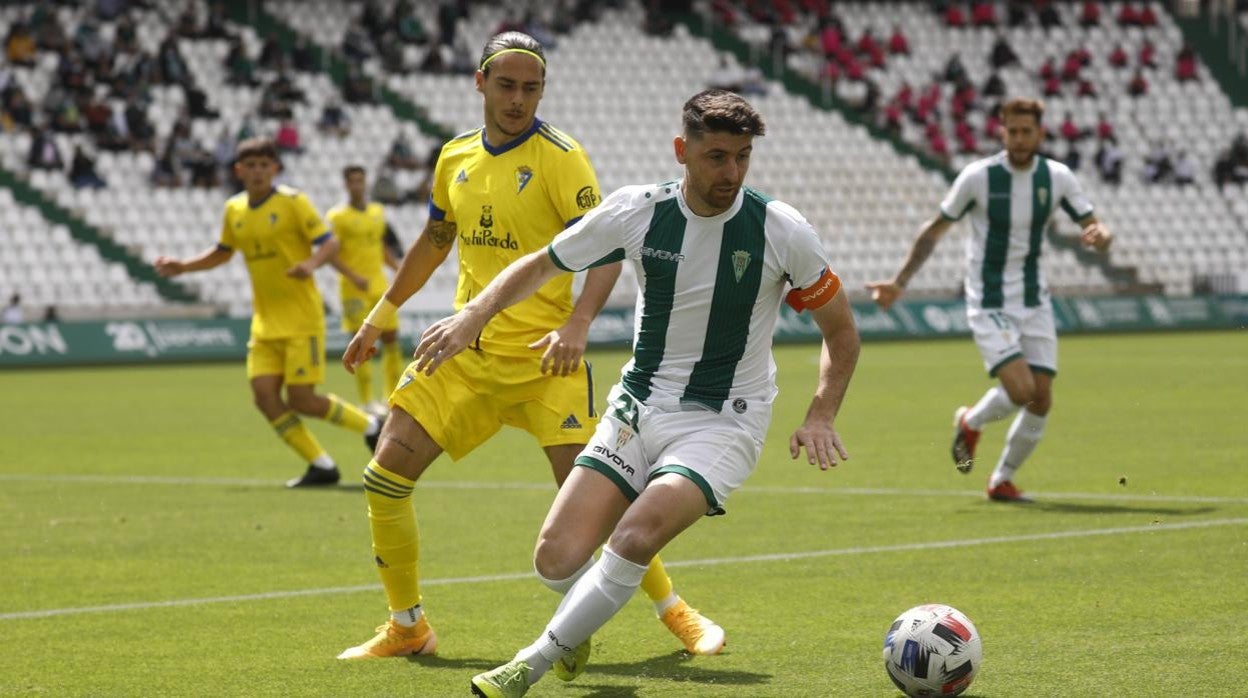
300 360
357 307
469 398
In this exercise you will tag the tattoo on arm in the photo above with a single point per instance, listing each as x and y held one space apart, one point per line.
441 233
404 446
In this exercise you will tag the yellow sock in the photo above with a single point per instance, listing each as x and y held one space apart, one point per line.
344 414
296 435
396 541
656 583
364 381
392 366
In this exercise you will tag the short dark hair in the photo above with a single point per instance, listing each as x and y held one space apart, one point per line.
721 111
1021 106
257 147
353 169
518 41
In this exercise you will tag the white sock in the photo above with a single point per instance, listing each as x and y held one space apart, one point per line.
593 600
1020 441
666 602
374 426
408 617
563 586
994 405
324 462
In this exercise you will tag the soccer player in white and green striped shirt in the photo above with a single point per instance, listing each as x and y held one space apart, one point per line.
1010 199
685 425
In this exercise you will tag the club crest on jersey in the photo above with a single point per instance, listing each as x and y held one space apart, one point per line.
461 177
523 174
740 261
623 437
1043 196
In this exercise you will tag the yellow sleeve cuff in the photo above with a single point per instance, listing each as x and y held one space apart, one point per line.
382 314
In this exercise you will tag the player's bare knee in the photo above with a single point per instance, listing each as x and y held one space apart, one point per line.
634 543
1021 395
1040 404
554 560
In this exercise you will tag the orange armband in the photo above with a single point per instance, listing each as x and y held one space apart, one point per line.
820 292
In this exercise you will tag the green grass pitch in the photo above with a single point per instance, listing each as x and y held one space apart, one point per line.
149 549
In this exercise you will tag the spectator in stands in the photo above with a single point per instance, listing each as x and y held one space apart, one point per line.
1138 87
1017 13
215 27
1231 166
287 138
82 172
272 106
1158 166
1118 58
239 66
1002 53
358 87
967 143
994 86
955 17
449 14
1128 15
891 118
165 171
223 155
1184 169
1048 14
334 119
1090 14
1071 66
173 70
44 153
272 55
1069 130
1147 17
1147 57
1086 88
937 145
51 316
898 45
992 123
435 60
983 13
407 24
1052 86
187 24
1185 64
1104 129
13 311
125 36
954 70
301 55
1109 161
1048 69
726 76
18 108
1073 159
390 50
19 45
963 99
385 189
356 44
401 156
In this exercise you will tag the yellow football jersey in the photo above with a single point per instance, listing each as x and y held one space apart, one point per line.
507 202
273 237
361 234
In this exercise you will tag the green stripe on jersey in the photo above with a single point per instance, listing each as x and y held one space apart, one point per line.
737 280
667 232
1041 205
997 246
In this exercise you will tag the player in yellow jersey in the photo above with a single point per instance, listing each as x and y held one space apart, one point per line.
276 228
502 191
366 243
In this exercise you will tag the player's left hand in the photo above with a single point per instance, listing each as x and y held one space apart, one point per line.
564 348
301 270
444 339
821 442
1096 236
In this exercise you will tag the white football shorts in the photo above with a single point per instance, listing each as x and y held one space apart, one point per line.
1003 335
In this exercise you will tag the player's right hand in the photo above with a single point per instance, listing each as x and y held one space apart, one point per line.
362 348
884 293
168 266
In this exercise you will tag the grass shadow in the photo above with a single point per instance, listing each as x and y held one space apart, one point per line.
474 664
1103 508
676 666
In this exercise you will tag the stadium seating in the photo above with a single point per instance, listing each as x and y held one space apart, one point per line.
859 193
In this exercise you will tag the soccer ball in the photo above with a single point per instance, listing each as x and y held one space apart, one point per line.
932 650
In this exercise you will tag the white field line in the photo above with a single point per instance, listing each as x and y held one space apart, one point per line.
748 489
773 557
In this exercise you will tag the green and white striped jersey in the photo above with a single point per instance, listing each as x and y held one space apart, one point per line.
1009 211
710 288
